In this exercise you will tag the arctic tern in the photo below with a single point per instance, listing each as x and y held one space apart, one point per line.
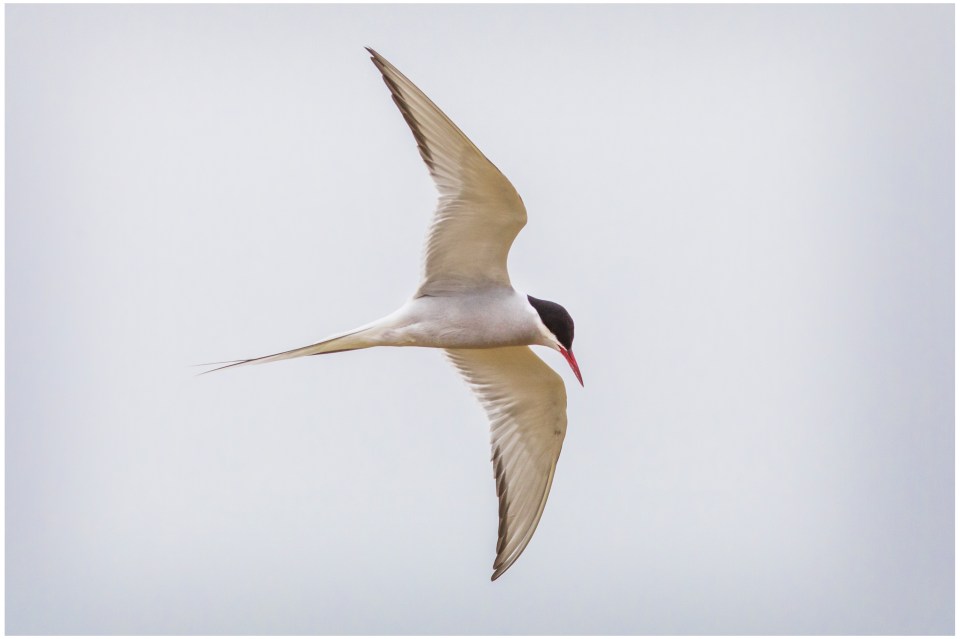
466 306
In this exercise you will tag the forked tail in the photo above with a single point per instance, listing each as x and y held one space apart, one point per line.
352 340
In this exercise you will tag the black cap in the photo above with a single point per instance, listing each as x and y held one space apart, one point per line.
556 318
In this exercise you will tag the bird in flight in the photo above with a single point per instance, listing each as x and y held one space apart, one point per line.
466 306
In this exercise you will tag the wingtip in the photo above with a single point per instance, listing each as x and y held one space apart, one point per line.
500 566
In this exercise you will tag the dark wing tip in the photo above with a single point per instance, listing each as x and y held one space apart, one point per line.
400 99
377 59
498 572
502 562
503 499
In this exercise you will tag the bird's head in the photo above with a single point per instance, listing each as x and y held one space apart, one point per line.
559 330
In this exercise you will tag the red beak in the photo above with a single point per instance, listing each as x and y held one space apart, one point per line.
568 355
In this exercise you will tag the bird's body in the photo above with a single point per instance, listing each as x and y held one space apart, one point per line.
486 318
466 305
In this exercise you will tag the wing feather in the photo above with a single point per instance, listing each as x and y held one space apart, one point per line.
479 213
526 403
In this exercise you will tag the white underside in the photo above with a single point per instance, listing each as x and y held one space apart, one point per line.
487 318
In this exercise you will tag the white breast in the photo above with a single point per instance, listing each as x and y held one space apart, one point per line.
480 319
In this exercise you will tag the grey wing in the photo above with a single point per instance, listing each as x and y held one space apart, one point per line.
479 213
526 403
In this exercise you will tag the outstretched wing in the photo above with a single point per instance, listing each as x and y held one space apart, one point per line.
527 405
479 213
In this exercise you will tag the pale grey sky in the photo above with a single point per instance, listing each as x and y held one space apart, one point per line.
748 211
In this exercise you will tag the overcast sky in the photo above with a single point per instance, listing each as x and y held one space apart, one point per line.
747 210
